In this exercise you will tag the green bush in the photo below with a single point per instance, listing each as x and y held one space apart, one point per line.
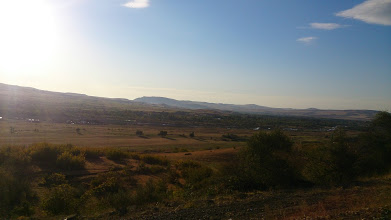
263 163
177 150
55 179
149 159
62 199
14 157
109 186
134 156
45 153
344 159
67 161
112 182
195 174
153 169
232 137
163 133
15 193
116 155
139 133
151 192
120 201
92 153
373 151
184 164
333 164
15 182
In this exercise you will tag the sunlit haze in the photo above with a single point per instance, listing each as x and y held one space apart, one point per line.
298 54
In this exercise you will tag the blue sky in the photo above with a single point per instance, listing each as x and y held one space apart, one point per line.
294 53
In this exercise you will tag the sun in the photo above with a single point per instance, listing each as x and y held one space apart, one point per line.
28 34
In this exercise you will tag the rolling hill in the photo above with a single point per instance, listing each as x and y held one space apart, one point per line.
256 109
24 102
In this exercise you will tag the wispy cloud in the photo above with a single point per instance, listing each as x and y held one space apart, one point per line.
306 40
326 26
137 4
370 11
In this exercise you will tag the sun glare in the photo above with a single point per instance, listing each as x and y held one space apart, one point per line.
28 34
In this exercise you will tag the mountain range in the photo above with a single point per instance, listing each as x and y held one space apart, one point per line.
257 109
26 102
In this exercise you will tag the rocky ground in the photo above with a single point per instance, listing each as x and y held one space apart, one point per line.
369 199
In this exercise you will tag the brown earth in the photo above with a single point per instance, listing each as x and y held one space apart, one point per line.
365 200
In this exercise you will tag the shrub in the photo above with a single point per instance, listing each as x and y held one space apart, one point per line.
373 151
139 133
15 157
116 155
331 165
183 164
192 134
76 151
55 179
44 153
149 159
61 200
142 169
120 201
262 164
153 169
163 133
67 161
93 153
24 209
15 182
15 193
195 174
177 150
135 156
230 136
109 186
151 192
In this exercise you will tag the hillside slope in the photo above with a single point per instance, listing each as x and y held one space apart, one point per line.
256 109
24 102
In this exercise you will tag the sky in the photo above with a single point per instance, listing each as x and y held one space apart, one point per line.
279 53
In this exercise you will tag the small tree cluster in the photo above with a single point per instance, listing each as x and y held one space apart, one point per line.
139 133
163 133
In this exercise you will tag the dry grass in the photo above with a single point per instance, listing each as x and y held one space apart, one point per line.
26 133
215 155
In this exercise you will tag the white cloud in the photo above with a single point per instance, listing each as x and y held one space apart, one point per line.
306 40
370 11
137 4
326 26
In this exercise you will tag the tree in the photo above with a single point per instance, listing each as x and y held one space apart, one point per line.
163 133
332 164
263 163
374 147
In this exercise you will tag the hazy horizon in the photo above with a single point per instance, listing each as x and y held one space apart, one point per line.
294 54
191 100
